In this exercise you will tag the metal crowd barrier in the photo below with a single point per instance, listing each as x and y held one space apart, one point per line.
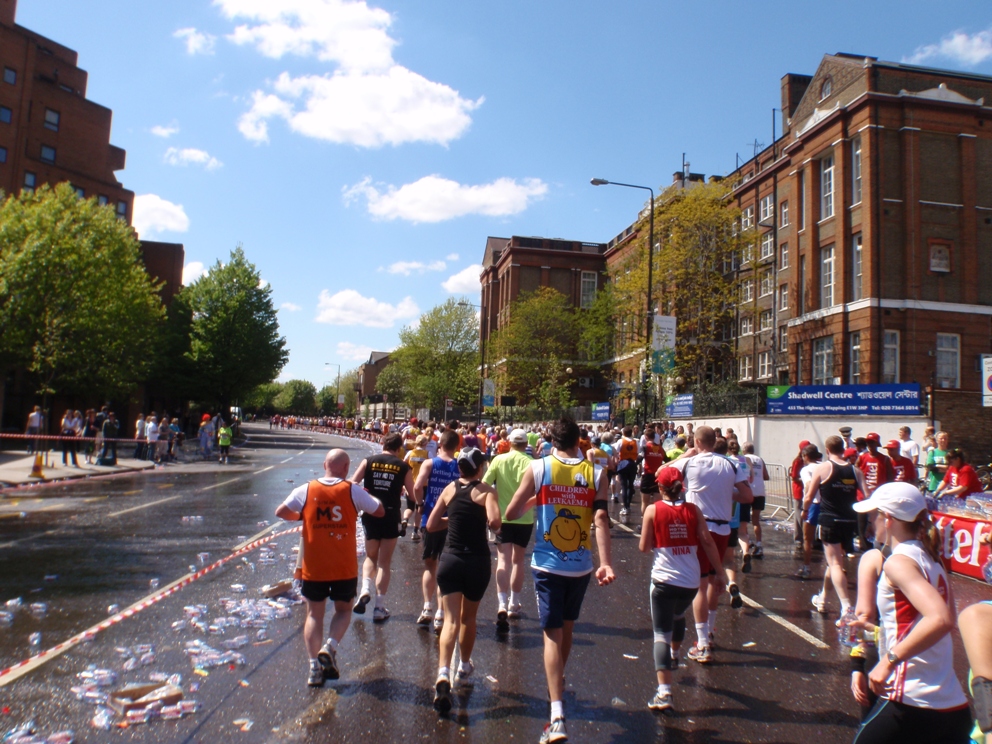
778 491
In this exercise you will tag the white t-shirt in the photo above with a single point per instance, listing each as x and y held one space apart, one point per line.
709 484
806 475
362 499
151 432
757 474
139 428
909 449
34 420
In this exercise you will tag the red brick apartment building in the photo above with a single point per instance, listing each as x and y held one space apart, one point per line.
875 214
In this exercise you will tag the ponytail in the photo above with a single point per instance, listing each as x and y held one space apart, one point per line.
928 535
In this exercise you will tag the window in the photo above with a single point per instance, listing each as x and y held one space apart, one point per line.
948 360
826 88
827 187
80 191
122 210
783 338
802 199
52 120
10 76
747 326
890 356
783 211
747 218
783 297
103 200
766 208
823 361
767 245
588 289
6 115
765 320
29 181
47 154
783 259
767 283
856 171
857 288
827 276
746 367
854 376
764 364
747 290
3 154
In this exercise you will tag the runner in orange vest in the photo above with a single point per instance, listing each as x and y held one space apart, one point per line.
328 508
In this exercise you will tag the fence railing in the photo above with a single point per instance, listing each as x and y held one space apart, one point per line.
778 491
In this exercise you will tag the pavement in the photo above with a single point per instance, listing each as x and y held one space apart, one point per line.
779 673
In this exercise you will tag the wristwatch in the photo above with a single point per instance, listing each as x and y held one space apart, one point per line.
892 658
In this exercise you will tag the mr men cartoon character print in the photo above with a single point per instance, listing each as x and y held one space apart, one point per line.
566 535
566 490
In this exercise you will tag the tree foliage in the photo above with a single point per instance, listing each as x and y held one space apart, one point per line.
235 342
262 399
437 359
297 397
77 308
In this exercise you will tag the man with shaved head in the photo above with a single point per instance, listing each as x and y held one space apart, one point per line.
328 508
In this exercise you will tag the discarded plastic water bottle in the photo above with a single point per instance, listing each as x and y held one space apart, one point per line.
239 588
38 609
113 609
153 584
203 557
6 618
103 719
987 570
35 641
847 632
192 568
14 604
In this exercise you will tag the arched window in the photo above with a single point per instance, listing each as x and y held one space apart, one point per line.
826 87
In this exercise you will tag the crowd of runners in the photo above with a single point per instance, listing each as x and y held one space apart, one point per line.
548 487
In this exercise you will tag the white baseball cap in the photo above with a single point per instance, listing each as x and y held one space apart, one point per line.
517 436
902 500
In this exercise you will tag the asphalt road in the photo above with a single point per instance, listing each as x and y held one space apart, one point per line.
779 675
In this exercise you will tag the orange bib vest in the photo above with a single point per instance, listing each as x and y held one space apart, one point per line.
330 552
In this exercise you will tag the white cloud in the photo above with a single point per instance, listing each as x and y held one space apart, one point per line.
368 100
408 267
197 42
960 47
165 131
153 215
465 281
348 307
290 306
193 271
190 155
436 199
451 257
354 352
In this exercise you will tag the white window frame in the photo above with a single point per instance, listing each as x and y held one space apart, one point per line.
856 183
783 338
783 211
948 360
890 356
747 254
764 365
827 187
747 325
745 368
767 245
766 319
586 296
783 256
766 208
767 285
827 275
783 296
747 290
857 268
823 360
854 370
747 218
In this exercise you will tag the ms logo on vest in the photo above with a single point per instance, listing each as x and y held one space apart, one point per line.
332 514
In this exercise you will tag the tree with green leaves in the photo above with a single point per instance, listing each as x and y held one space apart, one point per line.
235 342
297 397
439 358
262 399
77 308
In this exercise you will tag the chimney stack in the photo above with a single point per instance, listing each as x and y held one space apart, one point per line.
8 10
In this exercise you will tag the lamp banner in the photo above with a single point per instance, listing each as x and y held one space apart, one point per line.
663 345
489 392
845 400
680 406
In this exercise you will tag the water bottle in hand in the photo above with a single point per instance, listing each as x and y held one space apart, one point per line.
847 633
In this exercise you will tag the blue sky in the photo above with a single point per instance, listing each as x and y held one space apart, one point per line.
363 152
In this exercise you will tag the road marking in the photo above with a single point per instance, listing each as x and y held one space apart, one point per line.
12 543
259 472
286 460
811 639
625 528
131 493
165 485
144 506
95 498
302 451
218 485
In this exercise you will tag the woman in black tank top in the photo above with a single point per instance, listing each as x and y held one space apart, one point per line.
465 508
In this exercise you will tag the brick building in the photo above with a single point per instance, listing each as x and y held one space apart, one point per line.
874 209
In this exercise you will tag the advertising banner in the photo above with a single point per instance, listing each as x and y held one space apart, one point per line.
489 392
960 544
679 406
845 400
600 411
663 345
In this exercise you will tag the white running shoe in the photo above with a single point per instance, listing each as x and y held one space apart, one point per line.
380 615
820 603
514 610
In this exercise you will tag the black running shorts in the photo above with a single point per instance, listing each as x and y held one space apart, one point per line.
515 534
467 575
337 591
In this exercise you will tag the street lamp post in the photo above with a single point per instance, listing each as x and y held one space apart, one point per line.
650 320
482 354
337 386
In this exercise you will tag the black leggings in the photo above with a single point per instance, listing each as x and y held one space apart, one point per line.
668 606
626 476
904 724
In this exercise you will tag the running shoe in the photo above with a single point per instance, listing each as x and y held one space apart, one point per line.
363 599
416 534
380 615
328 659
402 530
758 552
623 516
701 655
735 597
661 702
438 623
315 677
464 676
746 567
554 732
425 618
442 695
803 572
820 603
616 500
514 611
501 618
675 662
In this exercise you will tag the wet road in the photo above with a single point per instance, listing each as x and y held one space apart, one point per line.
779 675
